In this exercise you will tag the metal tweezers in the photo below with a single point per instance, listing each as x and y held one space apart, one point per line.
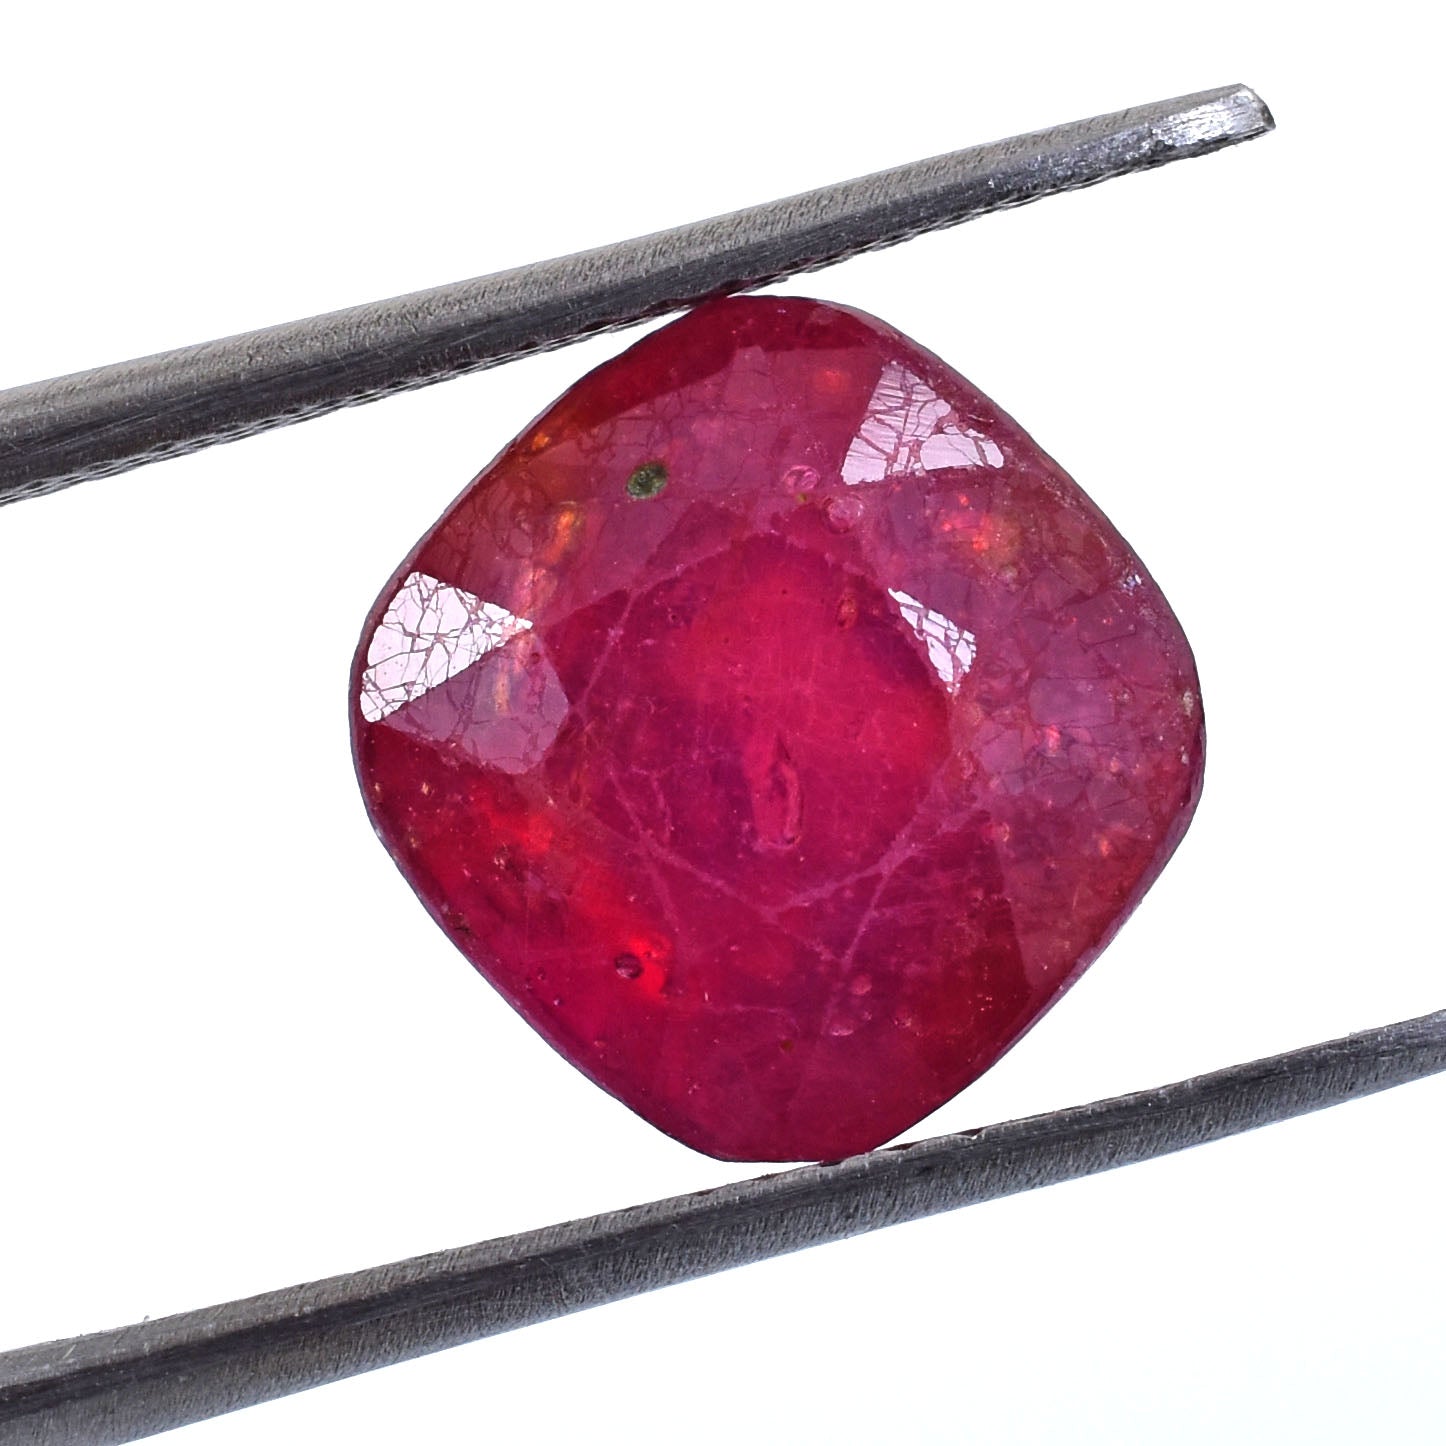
120 1385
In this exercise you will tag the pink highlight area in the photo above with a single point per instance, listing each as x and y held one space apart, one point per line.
777 728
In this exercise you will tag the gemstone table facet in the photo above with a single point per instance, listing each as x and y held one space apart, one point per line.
777 728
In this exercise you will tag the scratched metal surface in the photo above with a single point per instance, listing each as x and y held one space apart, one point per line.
120 1385
113 418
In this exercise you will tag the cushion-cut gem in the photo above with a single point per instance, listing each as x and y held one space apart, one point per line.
778 728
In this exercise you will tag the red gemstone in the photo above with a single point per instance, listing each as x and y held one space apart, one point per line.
778 728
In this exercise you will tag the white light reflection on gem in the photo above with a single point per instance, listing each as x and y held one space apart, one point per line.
429 633
952 649
906 431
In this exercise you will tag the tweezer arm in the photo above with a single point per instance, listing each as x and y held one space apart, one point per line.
124 1384
55 433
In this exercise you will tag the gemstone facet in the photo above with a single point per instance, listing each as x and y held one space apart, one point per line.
777 728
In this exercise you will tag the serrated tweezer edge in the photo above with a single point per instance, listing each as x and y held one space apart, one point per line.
94 423
120 1385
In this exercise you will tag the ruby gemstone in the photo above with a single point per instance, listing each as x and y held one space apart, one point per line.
777 728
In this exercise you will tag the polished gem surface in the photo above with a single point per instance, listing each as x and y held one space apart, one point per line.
777 728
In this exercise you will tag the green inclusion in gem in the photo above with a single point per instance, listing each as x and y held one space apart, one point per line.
648 480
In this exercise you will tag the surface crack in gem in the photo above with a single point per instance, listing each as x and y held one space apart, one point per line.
660 853
652 852
430 632
907 431
951 649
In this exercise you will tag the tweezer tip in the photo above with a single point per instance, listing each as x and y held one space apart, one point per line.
1239 111
1204 122
1254 107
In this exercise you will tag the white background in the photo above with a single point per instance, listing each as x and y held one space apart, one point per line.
235 1054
